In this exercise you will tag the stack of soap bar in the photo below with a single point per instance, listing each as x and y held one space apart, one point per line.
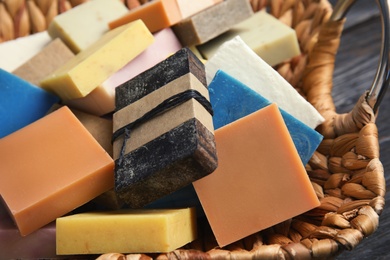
212 22
127 231
21 103
16 52
49 168
268 37
157 15
91 67
188 8
239 61
50 58
83 25
168 151
38 245
260 180
232 100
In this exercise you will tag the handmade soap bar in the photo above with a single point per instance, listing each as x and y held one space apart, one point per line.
16 52
239 61
172 148
157 15
21 103
38 245
50 58
260 180
50 167
232 100
83 25
101 101
89 68
212 22
268 37
165 44
188 8
126 231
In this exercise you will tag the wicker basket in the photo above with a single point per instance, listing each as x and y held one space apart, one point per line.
346 172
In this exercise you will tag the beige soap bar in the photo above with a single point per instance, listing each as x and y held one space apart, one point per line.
53 56
83 25
126 231
268 37
91 67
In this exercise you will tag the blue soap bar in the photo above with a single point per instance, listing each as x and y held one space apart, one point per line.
232 100
21 103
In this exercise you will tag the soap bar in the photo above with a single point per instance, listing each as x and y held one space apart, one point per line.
50 58
126 231
165 44
232 100
268 37
16 52
47 168
172 149
239 61
91 67
83 25
188 8
21 103
260 180
157 15
101 101
38 245
212 22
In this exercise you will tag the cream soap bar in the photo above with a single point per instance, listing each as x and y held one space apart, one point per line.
260 180
239 61
50 58
212 22
83 25
268 37
91 67
51 167
190 7
16 52
126 231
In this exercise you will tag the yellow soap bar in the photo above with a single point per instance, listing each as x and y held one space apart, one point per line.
125 231
91 67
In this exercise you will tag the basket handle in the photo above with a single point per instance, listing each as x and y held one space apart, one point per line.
382 76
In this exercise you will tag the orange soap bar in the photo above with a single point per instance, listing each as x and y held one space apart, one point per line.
51 167
156 15
260 180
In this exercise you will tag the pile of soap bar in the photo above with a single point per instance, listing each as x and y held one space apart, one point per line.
120 128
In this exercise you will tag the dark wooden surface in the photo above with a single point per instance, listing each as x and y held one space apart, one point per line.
356 65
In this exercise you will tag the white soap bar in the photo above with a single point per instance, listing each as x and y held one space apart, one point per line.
238 60
86 23
268 37
16 52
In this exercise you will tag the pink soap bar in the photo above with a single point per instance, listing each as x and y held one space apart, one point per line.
165 44
101 101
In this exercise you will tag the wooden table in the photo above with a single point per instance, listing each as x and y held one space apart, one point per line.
356 65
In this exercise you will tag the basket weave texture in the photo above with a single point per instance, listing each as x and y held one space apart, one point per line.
345 171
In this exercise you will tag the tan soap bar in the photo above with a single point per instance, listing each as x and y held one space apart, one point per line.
89 68
157 15
268 37
212 22
83 25
260 180
53 56
126 231
51 167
